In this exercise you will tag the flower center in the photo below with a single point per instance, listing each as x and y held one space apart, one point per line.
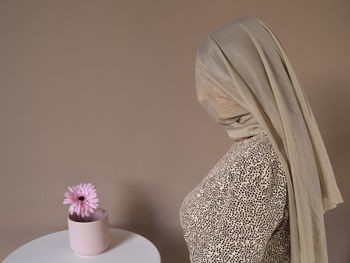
81 198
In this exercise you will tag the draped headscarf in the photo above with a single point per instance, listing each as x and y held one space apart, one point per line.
246 82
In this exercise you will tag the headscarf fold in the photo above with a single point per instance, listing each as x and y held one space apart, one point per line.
246 82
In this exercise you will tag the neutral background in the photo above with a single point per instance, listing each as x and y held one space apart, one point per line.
103 92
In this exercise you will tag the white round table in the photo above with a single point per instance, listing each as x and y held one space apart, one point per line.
125 247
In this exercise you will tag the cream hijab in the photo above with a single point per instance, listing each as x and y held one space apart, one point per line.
246 82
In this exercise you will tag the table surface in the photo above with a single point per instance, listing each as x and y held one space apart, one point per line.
125 246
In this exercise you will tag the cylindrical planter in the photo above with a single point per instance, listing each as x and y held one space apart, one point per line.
89 236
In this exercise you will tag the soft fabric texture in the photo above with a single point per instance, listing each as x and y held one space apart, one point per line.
246 82
238 213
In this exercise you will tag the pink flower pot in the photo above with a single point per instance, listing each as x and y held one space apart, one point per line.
89 236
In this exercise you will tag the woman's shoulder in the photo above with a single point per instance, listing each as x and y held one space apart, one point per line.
252 158
256 149
256 144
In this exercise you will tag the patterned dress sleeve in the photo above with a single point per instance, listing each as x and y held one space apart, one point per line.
253 202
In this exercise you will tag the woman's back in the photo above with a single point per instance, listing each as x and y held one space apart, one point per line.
240 209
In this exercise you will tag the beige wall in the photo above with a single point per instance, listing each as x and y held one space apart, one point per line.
103 91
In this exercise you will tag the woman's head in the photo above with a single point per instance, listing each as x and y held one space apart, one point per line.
227 63
215 100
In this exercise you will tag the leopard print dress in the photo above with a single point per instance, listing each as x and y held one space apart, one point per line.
239 211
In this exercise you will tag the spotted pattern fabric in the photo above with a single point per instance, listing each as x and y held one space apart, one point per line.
239 211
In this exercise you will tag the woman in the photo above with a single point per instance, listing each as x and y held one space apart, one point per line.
264 201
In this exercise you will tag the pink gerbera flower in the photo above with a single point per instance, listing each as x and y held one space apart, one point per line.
83 199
